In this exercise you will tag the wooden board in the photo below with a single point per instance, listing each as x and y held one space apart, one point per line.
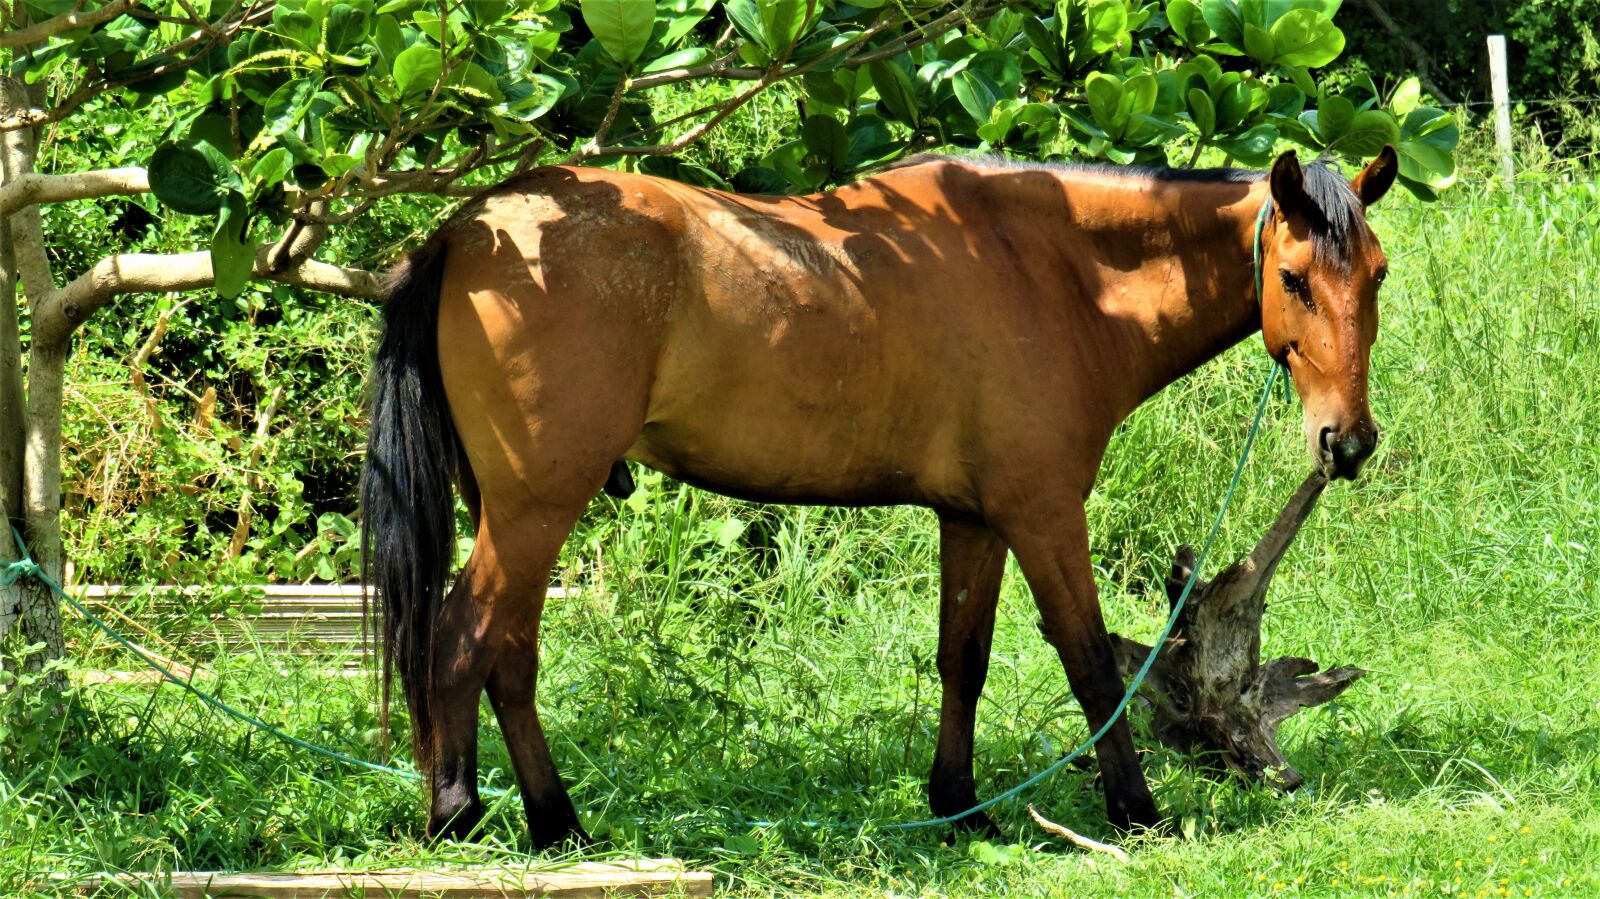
304 619
582 880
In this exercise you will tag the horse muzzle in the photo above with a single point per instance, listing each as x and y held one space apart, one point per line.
1341 454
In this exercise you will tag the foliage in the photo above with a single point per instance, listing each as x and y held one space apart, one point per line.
729 663
320 99
1553 48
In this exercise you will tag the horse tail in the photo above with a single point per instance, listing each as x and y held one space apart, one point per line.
408 515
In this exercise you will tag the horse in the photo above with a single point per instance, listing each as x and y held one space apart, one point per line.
962 334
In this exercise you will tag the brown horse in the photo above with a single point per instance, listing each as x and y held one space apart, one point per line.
953 333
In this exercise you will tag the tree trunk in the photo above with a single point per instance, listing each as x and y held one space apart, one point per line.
12 414
1208 689
40 612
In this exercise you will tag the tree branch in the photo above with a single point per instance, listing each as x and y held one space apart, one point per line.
42 31
34 189
63 310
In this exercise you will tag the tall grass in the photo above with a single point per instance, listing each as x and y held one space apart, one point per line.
728 665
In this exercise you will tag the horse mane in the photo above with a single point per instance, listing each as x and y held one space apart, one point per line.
1335 214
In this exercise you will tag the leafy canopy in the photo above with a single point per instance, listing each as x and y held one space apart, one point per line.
312 109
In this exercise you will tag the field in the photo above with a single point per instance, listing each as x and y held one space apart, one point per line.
732 676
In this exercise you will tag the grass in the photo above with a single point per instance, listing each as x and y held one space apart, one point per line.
735 663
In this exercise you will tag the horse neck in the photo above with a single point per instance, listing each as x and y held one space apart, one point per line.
1187 292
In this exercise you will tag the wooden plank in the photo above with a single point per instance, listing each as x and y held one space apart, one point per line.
310 619
582 880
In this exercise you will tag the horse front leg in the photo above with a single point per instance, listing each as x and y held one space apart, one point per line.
1051 542
971 561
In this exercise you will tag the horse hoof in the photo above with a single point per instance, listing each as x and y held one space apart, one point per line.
457 825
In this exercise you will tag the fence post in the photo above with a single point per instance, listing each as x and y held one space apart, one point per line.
1502 105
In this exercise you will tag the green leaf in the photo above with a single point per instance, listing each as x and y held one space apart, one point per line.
1367 134
976 92
760 179
896 94
728 532
1184 17
1202 111
826 141
1426 163
689 56
1332 118
346 27
233 257
272 167
1406 97
1253 147
193 179
680 17
1225 21
1107 22
141 80
1138 95
288 105
782 23
1258 44
621 26
871 142
417 70
1105 97
389 40
1304 37
1233 105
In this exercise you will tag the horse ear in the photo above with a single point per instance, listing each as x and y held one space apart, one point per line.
1376 179
1288 184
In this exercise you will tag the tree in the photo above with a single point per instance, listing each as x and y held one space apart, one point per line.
287 118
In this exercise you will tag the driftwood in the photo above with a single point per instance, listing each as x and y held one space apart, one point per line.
1209 692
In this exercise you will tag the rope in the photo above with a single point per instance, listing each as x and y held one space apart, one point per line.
1156 645
26 567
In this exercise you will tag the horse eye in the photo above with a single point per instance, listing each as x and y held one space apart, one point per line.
1296 286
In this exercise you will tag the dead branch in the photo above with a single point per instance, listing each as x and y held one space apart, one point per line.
1208 689
1075 838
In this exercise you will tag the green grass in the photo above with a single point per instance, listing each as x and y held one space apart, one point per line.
715 675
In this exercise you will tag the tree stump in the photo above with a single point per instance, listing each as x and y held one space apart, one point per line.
1209 691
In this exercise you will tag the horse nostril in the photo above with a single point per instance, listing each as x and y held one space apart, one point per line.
1329 440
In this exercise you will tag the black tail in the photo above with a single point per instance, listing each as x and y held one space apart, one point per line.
408 517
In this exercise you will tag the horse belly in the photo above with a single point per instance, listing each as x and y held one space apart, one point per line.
783 386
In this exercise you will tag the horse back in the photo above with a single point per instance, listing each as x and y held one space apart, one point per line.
873 344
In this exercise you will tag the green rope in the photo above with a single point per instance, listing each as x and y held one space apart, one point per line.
1159 642
1261 224
26 567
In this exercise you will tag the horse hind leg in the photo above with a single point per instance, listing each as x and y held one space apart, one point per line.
488 639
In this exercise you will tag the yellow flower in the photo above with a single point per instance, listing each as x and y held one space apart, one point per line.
1278 885
1527 829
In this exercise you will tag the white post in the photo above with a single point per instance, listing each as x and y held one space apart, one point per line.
1502 104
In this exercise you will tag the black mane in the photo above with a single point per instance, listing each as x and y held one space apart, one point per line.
1335 215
